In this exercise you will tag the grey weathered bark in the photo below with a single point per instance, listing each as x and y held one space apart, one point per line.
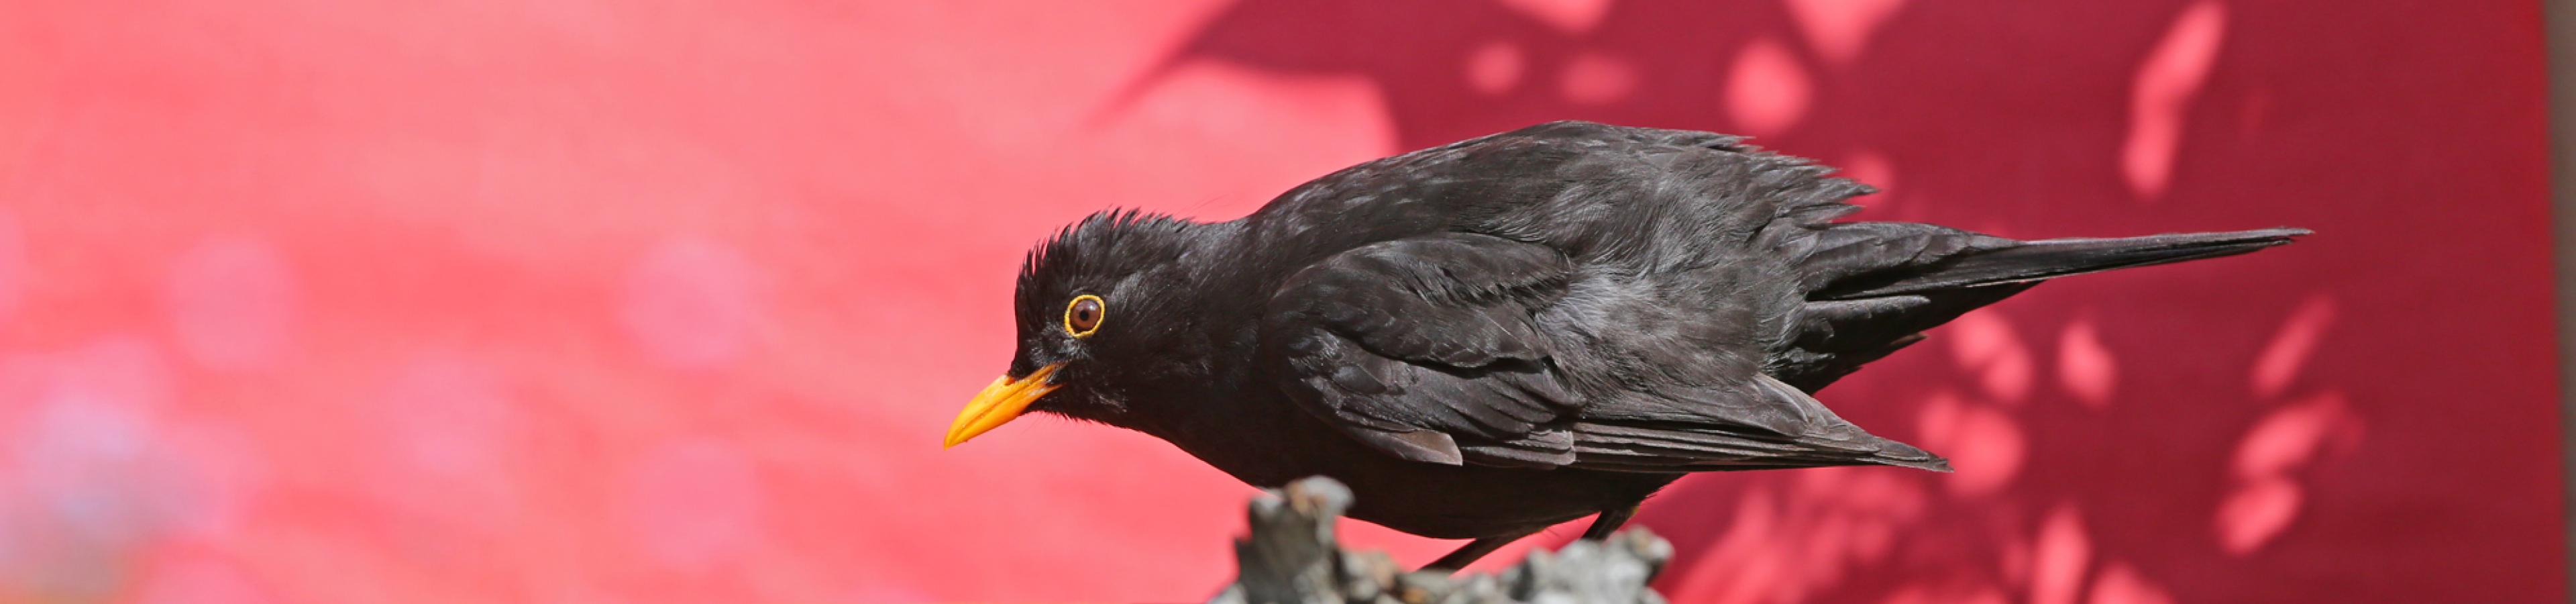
1291 557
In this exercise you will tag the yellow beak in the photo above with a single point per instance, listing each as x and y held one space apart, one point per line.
999 403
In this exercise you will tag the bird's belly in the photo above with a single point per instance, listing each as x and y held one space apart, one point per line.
1453 502
1427 499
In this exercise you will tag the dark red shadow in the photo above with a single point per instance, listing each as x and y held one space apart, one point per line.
2366 416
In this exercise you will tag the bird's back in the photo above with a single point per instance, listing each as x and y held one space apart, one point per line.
1583 187
1666 228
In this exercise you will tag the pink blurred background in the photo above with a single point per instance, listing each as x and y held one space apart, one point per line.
581 301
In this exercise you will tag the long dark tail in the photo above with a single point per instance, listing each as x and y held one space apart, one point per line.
2049 259
1873 287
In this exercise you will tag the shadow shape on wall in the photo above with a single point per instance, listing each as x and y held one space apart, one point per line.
2297 425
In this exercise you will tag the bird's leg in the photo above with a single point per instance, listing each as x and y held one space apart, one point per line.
1608 523
1470 552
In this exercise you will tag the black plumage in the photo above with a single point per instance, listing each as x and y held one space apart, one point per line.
1498 335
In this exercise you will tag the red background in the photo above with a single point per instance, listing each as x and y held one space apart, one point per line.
371 301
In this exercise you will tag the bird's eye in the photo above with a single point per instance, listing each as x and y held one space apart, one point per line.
1083 315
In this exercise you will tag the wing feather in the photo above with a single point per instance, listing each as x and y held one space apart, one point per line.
1429 335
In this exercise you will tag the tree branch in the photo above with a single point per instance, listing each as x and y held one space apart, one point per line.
1291 557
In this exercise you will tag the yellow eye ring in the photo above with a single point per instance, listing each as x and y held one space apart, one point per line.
1084 315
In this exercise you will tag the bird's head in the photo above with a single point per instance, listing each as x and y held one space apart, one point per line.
1101 309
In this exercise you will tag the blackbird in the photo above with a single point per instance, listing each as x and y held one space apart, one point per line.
1498 335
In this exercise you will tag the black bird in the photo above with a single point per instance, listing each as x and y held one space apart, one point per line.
1492 337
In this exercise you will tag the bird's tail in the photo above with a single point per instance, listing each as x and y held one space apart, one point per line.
1874 287
2053 258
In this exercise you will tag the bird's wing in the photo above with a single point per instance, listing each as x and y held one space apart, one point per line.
1426 348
